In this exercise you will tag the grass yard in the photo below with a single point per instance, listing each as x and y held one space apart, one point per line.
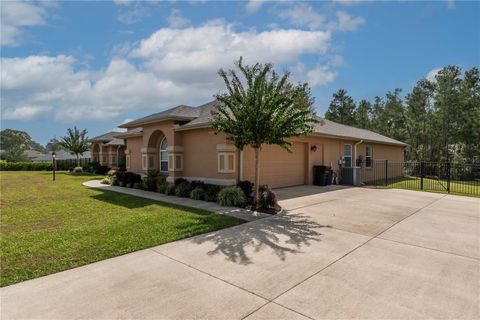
47 227
462 188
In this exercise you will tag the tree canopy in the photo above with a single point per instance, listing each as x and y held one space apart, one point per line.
75 141
262 107
439 118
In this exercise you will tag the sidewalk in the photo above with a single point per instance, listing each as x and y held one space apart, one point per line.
240 213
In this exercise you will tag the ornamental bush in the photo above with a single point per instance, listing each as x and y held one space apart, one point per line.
267 199
198 194
211 192
77 170
170 189
25 166
183 189
231 196
106 180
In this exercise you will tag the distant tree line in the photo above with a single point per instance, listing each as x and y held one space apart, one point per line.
439 119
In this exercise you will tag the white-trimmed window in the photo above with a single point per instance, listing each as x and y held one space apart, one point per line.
368 157
127 161
164 155
347 156
226 162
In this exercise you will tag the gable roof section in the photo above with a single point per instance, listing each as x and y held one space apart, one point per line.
329 128
201 117
104 137
181 112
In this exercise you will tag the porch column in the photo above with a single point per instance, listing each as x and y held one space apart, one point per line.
149 158
175 162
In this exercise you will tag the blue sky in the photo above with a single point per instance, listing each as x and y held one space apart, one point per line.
98 64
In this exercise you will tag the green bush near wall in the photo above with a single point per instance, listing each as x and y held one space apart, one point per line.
25 166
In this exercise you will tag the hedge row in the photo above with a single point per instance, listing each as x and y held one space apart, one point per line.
25 166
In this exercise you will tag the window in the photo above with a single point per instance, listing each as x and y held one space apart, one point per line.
368 157
347 156
163 155
226 162
114 160
127 161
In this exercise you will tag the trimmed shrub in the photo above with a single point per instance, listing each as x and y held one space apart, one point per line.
138 185
180 180
127 179
114 181
211 192
102 170
112 172
267 199
231 196
162 187
150 181
198 194
198 183
183 190
170 189
161 180
77 170
106 180
25 166
247 188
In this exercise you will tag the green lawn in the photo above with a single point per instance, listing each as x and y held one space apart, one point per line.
463 188
48 226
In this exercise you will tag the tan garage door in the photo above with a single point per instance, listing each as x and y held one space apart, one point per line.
279 168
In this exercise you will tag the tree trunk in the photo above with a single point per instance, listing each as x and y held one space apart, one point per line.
257 175
78 163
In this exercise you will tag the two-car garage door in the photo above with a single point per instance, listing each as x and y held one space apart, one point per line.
278 168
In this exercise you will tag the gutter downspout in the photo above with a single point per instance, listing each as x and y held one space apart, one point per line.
355 176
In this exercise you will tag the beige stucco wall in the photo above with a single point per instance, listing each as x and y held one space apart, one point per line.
134 145
199 151
200 154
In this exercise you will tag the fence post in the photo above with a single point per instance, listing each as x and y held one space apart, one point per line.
448 177
421 175
386 173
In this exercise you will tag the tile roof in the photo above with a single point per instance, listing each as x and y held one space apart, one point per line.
201 116
60 155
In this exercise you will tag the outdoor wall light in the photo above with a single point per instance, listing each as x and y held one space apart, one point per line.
313 148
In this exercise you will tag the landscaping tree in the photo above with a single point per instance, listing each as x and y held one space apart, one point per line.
75 141
262 108
14 143
342 108
54 145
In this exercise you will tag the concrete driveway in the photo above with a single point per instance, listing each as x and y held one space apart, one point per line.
335 253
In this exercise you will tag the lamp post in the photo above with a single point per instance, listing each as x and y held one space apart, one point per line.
54 164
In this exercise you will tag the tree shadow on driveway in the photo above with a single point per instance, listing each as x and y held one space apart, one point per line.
283 234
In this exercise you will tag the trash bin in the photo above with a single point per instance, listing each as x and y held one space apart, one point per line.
321 175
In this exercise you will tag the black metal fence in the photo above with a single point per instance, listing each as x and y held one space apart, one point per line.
448 177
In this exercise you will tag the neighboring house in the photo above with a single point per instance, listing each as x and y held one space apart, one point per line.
180 143
30 154
61 155
108 150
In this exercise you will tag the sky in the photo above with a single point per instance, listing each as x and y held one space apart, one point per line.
96 65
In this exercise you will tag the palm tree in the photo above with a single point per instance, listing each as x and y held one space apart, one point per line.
75 141
262 108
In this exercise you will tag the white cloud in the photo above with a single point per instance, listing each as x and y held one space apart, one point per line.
133 15
123 2
432 74
304 15
347 22
25 113
320 76
177 20
254 5
171 66
17 15
451 4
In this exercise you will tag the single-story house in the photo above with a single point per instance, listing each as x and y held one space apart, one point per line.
181 143
61 155
108 150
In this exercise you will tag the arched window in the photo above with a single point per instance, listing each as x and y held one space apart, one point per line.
163 155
